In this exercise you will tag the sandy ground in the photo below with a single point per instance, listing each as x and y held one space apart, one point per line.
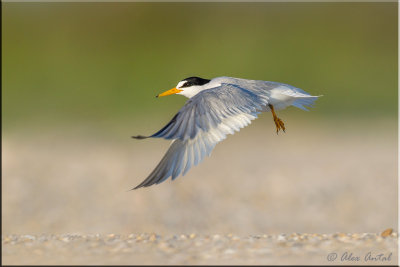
319 177
201 249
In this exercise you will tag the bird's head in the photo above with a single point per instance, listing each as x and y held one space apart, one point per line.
188 87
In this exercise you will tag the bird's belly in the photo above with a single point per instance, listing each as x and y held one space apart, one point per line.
279 100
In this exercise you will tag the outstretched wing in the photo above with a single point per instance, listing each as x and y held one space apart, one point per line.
201 123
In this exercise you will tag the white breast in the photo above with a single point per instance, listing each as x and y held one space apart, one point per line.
280 98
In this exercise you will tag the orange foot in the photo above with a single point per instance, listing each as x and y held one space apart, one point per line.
278 122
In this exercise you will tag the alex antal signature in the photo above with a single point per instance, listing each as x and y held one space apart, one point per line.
368 257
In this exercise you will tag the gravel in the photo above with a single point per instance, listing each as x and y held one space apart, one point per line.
151 248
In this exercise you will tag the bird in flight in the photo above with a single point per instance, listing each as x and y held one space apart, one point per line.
216 108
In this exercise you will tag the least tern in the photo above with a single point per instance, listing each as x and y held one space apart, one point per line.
216 108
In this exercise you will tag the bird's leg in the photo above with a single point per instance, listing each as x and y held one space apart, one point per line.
278 122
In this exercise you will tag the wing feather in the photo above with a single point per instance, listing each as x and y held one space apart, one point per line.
205 120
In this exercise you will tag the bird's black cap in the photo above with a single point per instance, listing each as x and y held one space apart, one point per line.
194 81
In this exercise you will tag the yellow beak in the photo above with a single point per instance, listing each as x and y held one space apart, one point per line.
170 92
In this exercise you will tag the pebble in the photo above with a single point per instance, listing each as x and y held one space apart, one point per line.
153 237
216 237
28 237
387 232
281 237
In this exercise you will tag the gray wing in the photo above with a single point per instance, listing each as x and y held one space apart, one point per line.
200 124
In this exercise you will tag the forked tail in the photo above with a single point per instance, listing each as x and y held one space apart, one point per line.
304 101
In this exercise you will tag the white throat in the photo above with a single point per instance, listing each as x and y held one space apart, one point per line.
191 91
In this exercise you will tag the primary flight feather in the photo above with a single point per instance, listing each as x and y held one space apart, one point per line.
216 108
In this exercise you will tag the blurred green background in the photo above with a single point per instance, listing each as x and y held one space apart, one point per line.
101 64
